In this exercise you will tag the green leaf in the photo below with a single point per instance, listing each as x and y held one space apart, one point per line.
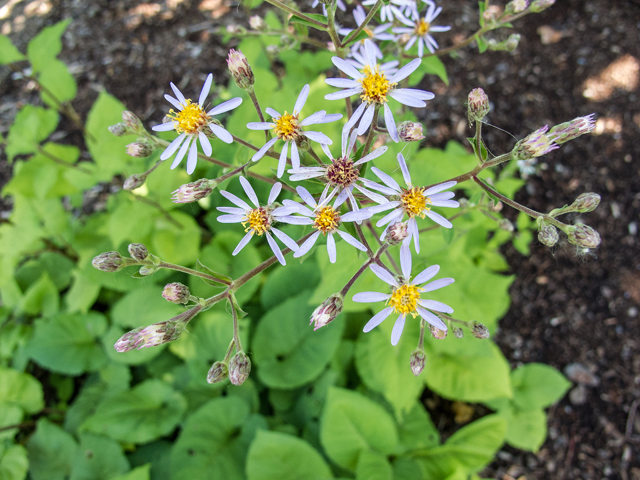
204 269
316 16
140 473
526 429
51 452
143 306
21 389
68 343
31 126
417 430
57 266
287 351
42 296
363 35
45 47
214 441
57 81
482 44
430 65
288 282
13 462
373 466
536 385
352 424
176 244
98 458
278 456
8 52
82 294
148 411
10 414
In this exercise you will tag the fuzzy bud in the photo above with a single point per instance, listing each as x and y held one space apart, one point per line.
548 235
138 251
418 359
396 233
437 333
512 42
108 262
505 224
194 191
478 330
586 202
534 145
140 149
491 14
239 368
538 6
457 332
478 104
327 311
410 132
134 181
176 293
240 69
218 372
148 270
257 23
516 6
133 123
583 236
566 131
119 129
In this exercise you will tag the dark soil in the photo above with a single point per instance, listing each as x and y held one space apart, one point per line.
568 306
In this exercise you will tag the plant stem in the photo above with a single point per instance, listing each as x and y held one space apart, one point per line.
156 205
59 161
387 253
315 156
478 139
362 238
234 315
421 339
295 12
190 271
369 261
254 99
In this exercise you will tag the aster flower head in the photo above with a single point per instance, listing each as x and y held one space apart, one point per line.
191 121
374 88
406 296
259 220
421 29
412 201
325 219
376 33
287 127
534 145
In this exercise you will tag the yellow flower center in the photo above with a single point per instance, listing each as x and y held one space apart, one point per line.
404 299
422 27
190 120
415 203
258 220
375 86
327 219
286 126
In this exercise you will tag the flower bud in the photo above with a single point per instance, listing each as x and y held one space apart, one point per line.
240 69
176 293
327 311
133 123
548 235
108 262
396 233
437 333
512 42
156 334
194 191
404 39
410 132
478 330
140 149
583 236
566 131
119 129
418 359
138 251
239 368
148 270
218 372
505 224
478 104
538 6
257 23
457 332
134 181
516 6
534 145
586 202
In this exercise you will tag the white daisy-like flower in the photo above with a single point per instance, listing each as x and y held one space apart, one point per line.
339 3
377 33
258 220
405 297
325 219
413 201
191 121
374 88
287 127
421 28
387 12
343 173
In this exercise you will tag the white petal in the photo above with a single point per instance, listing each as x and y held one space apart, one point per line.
302 99
365 121
225 106
306 196
427 274
437 284
445 203
318 137
181 153
331 117
370 52
312 119
343 94
377 319
435 305
260 153
439 188
419 94
375 154
260 125
431 318
404 169
205 143
242 243
381 208
275 249
415 233
439 219
405 261
173 146
286 239
352 121
192 159
406 99
390 182
178 93
420 47
248 189
305 176
232 210
367 297
358 216
381 188
331 248
172 101
351 240
341 82
306 246
397 329
295 155
231 218
346 67
206 88
383 275
442 196
392 217
291 220
273 194
405 71
235 200
390 123
274 114
163 127
282 162
221 133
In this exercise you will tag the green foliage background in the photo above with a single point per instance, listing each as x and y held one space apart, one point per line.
336 403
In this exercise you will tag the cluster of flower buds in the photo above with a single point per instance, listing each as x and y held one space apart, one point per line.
327 311
237 370
477 105
240 70
194 191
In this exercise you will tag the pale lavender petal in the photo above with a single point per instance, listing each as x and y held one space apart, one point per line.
331 248
439 28
367 297
312 119
381 208
343 94
414 92
405 71
406 99
397 329
284 211
439 219
260 125
275 249
205 143
383 275
306 246
352 121
282 162
358 216
411 41
331 117
381 188
248 189
260 153
420 47
392 217
435 305
225 106
295 156
205 89
427 274
405 261
274 114
178 93
235 200
375 154
390 182
377 319
231 218
221 133
181 153
415 233
445 203
291 220
273 194
346 67
286 239
390 123
341 82
370 51
404 169
242 243
172 101
305 176
318 137
437 284
173 146
340 199
351 240
439 188
163 127
232 210
192 159
365 121
431 318
442 196
302 99
306 196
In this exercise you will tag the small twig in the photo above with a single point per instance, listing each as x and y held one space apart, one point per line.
295 12
59 161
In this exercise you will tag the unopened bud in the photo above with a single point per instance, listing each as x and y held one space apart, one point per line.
586 202
140 149
457 332
516 6
194 191
505 224
491 14
148 270
410 131
538 6
240 69
257 23
327 311
132 122
534 145
548 235
404 39
437 333
583 236
119 129
134 181
239 368
512 42
566 131
396 233
176 293
138 251
478 330
218 372
108 262
478 104
418 359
